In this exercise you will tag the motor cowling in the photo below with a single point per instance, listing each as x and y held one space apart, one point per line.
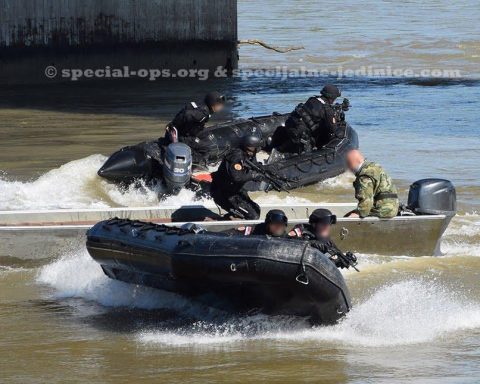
432 197
177 166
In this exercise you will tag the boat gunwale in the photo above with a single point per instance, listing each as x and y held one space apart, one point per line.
233 224
161 208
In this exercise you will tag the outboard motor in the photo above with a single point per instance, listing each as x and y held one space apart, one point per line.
433 197
177 167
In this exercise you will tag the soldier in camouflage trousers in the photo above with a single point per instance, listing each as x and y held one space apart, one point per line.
374 189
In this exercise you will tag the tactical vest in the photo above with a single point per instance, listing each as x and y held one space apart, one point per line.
183 123
302 231
302 113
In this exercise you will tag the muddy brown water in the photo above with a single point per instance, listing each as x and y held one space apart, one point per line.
414 319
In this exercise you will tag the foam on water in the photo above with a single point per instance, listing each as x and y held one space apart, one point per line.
6 269
460 248
462 237
76 185
77 275
275 199
69 186
467 225
343 181
406 312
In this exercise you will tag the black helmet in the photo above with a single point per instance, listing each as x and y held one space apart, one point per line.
322 216
213 98
252 141
276 216
330 91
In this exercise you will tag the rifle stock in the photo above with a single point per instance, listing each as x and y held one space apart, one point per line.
272 178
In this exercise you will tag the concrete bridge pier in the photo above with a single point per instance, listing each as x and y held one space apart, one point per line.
113 35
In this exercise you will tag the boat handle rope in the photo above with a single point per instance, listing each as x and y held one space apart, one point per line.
318 161
140 227
302 277
308 163
332 154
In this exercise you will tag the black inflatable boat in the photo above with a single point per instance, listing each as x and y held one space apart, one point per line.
145 160
274 276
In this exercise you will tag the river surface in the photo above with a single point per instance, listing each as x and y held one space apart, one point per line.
414 319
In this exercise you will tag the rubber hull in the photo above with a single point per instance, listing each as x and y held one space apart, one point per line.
215 142
142 161
313 167
274 276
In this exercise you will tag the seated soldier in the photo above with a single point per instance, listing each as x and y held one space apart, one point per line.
318 231
275 225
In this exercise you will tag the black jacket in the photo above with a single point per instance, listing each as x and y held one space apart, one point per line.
191 120
318 117
232 174
253 230
306 232
326 246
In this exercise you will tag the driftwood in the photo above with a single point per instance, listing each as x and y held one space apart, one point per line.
268 46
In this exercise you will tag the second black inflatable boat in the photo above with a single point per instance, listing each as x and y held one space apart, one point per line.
274 276
294 171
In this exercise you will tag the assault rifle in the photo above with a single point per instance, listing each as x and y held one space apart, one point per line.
276 181
340 109
343 260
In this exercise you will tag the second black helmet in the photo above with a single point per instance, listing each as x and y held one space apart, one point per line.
252 141
322 216
213 98
276 216
330 91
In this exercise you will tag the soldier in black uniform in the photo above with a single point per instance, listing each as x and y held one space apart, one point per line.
191 120
312 124
228 181
275 225
317 232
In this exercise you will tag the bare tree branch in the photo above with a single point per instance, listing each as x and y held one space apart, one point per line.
268 46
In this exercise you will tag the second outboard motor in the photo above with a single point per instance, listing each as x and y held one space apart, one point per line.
433 197
177 166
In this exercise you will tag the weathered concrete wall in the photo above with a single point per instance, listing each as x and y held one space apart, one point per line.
85 22
170 33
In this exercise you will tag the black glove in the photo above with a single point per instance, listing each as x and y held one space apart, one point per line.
348 260
352 258
257 176
319 245
338 261
306 145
